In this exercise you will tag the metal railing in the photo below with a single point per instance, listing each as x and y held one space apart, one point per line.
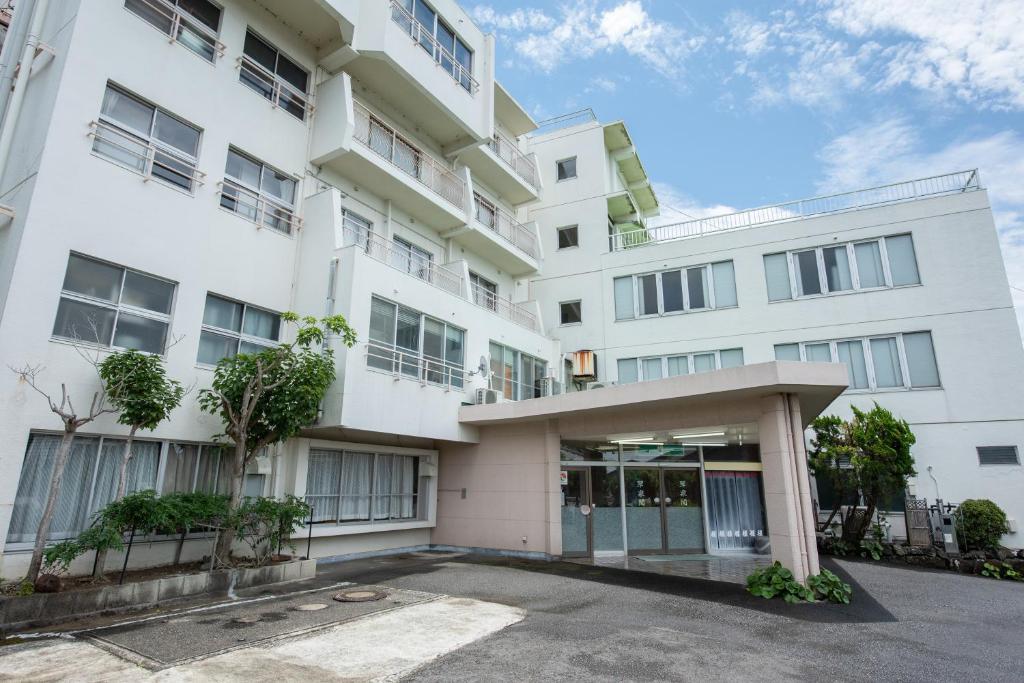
506 308
281 93
258 208
507 227
385 142
402 259
569 120
144 157
950 183
179 27
441 55
405 364
509 152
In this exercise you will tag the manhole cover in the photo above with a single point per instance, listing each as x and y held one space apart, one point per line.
311 607
248 619
360 596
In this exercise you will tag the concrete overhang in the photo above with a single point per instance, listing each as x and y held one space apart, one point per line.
511 113
815 384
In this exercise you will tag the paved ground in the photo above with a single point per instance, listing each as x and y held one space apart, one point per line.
730 569
600 624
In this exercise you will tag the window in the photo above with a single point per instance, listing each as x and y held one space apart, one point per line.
566 169
112 306
192 23
486 212
356 229
571 312
277 78
871 264
202 468
258 192
657 367
89 482
517 375
350 486
998 455
406 342
485 292
695 288
230 328
411 259
437 39
569 237
904 360
147 140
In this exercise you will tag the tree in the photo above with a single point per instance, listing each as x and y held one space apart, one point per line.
877 447
267 397
143 396
72 421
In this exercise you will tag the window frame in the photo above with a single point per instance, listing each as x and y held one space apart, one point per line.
188 20
248 62
290 217
117 307
869 363
516 383
575 169
561 311
426 364
372 495
565 230
709 282
855 275
409 7
239 337
690 363
483 291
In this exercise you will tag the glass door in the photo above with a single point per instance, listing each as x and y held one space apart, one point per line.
684 513
576 512
735 512
643 509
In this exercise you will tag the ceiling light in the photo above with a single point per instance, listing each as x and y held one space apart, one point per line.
697 436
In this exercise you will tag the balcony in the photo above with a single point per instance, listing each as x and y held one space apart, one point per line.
500 238
430 83
503 167
359 143
505 308
895 193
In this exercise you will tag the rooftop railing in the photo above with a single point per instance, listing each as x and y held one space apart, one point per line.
934 186
507 151
505 308
569 120
382 139
507 227
441 55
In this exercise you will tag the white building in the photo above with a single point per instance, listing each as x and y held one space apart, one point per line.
174 174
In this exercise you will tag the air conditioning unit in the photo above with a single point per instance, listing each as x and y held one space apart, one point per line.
486 396
599 385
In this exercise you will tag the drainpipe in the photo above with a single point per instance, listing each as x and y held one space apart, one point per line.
20 85
801 537
8 57
804 483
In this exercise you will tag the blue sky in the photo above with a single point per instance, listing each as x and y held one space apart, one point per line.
738 104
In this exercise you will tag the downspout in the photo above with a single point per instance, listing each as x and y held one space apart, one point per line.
804 482
14 41
802 538
28 55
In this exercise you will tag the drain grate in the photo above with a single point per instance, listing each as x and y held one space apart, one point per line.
360 595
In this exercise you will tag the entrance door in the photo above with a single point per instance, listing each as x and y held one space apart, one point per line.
663 510
576 512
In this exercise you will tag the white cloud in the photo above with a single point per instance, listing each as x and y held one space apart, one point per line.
601 83
583 29
679 207
889 150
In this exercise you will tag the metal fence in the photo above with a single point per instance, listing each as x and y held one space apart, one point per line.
507 227
509 152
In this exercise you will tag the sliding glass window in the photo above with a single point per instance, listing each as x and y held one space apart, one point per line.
695 288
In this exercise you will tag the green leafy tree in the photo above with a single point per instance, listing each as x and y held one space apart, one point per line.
267 397
143 396
867 458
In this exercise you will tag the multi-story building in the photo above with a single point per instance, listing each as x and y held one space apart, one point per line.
175 174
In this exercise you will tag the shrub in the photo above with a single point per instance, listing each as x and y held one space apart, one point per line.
776 580
982 523
264 523
1002 570
828 586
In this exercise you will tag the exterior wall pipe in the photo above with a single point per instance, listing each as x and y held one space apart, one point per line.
804 484
13 43
20 85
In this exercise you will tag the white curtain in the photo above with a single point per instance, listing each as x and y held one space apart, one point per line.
323 483
731 358
869 264
355 486
886 360
142 469
180 470
776 272
921 359
724 276
902 262
624 297
787 352
852 353
627 371
382 476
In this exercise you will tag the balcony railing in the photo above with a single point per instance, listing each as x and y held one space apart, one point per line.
506 227
179 27
508 152
405 364
385 142
441 55
402 259
951 183
145 158
280 92
260 209
505 308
